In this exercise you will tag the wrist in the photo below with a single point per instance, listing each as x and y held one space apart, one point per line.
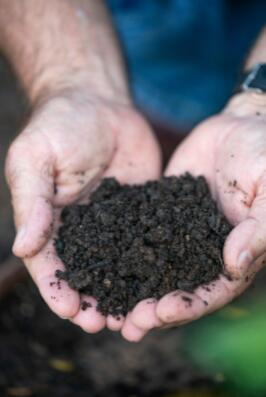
247 103
59 82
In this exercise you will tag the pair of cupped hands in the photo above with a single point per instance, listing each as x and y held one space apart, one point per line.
72 140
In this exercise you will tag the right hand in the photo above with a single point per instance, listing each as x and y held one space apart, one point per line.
71 141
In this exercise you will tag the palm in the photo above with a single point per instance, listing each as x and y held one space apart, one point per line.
230 152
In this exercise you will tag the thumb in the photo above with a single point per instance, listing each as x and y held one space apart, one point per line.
29 175
247 241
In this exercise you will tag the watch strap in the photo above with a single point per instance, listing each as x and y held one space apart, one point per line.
252 80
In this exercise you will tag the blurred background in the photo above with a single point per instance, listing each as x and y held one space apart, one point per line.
222 355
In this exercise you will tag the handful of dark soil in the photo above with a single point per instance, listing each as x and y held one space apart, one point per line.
142 241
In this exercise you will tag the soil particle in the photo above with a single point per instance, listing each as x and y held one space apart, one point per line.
228 276
85 305
151 301
79 173
133 242
57 283
187 299
233 183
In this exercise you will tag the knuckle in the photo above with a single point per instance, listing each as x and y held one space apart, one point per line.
167 315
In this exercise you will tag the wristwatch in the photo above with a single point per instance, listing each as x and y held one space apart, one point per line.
253 80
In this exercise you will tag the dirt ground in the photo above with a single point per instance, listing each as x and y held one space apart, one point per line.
43 355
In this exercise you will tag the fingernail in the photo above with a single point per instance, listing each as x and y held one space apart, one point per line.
20 237
244 261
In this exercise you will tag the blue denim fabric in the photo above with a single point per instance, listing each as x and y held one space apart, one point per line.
184 55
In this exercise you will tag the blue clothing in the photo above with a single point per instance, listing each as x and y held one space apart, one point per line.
184 55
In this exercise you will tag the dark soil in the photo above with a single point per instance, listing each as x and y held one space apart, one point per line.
41 356
142 241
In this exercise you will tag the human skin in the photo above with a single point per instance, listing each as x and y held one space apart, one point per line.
83 127
230 151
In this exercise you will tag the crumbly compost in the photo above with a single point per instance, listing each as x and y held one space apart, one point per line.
133 242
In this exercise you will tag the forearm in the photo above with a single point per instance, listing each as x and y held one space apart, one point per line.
249 103
258 52
55 44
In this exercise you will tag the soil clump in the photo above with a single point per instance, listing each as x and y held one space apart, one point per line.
133 242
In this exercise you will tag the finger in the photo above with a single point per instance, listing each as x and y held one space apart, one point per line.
179 308
182 161
247 241
115 323
144 315
234 196
221 292
61 299
30 179
140 160
88 318
130 332
77 186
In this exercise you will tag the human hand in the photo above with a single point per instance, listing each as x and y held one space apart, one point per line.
71 141
230 151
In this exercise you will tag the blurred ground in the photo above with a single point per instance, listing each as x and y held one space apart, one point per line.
43 355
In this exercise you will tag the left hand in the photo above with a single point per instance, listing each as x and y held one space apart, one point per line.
230 151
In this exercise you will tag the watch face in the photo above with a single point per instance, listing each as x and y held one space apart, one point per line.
256 80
